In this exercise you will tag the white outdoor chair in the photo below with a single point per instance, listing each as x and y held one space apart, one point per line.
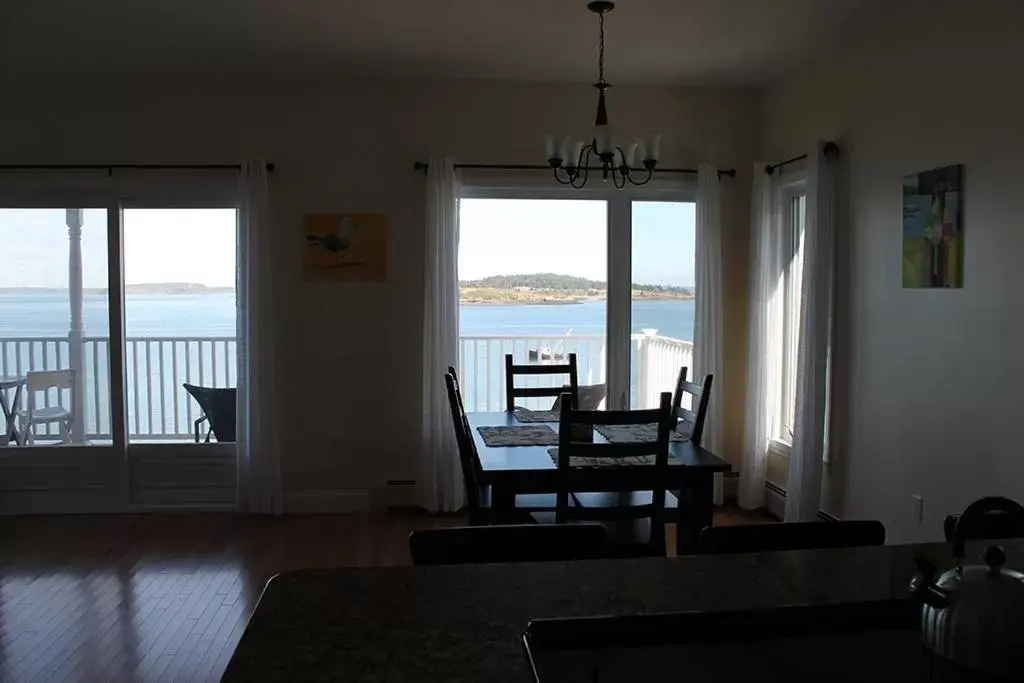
31 416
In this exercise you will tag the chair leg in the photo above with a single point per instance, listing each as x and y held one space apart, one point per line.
28 437
65 432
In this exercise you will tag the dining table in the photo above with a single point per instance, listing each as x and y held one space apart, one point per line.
513 470
10 409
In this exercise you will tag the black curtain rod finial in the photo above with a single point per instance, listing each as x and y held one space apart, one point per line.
829 149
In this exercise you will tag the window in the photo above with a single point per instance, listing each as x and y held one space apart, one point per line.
54 313
532 282
179 316
794 217
607 275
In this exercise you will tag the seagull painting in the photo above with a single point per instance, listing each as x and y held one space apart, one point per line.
335 242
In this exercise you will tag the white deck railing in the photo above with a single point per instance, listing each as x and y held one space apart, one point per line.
159 408
655 363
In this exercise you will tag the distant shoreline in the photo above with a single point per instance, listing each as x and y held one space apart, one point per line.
157 288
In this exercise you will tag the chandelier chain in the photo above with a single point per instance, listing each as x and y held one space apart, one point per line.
600 51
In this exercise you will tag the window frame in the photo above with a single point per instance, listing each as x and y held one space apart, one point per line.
792 192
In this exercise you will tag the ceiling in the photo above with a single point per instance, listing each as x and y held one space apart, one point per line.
701 42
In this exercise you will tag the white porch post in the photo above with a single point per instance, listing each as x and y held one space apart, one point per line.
76 329
644 396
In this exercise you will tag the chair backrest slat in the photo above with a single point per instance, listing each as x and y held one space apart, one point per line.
697 414
512 391
772 537
41 380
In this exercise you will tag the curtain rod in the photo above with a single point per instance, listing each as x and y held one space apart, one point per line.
423 166
830 148
123 167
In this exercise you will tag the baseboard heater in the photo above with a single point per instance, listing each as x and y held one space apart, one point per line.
775 501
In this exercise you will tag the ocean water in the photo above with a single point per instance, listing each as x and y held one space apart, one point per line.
159 369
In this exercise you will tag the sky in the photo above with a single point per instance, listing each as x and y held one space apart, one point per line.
568 237
160 245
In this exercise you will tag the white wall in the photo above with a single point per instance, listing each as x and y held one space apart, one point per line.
929 393
351 353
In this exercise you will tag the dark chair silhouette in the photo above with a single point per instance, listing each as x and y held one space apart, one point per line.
511 543
990 518
512 391
478 497
772 537
220 410
628 499
691 422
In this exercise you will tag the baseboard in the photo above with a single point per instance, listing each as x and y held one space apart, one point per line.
326 502
775 502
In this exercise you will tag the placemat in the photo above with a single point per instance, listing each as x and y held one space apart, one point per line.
527 415
635 433
532 435
586 461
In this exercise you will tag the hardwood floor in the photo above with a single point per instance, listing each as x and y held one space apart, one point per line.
166 597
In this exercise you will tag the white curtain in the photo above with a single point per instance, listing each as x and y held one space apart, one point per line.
440 476
803 492
258 438
765 343
708 306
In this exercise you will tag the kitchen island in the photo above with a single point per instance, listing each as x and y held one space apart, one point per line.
463 623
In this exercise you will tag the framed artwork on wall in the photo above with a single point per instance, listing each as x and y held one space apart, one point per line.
933 231
349 247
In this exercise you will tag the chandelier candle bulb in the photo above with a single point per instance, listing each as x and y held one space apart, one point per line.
549 147
577 150
631 154
655 149
567 158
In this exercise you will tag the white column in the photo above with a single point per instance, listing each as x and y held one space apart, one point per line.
644 395
76 329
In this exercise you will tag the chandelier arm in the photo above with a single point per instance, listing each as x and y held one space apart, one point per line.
638 183
618 179
558 179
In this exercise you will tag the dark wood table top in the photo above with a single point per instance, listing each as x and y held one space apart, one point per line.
496 459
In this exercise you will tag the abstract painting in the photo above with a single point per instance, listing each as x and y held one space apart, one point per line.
933 231
351 247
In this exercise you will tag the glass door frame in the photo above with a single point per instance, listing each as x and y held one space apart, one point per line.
619 203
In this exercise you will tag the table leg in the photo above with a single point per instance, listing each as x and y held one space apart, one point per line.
503 503
12 427
697 512
9 416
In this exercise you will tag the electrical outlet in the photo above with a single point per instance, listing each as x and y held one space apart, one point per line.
918 509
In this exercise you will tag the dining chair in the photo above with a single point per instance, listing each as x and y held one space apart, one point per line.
590 398
624 488
691 420
512 370
508 543
478 497
778 536
30 416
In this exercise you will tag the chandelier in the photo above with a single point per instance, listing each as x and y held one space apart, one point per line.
570 159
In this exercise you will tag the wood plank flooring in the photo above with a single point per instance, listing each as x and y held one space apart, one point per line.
166 597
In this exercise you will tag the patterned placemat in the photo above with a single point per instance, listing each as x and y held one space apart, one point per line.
527 415
530 435
586 461
635 433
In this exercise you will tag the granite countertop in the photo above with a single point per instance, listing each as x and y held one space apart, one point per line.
462 623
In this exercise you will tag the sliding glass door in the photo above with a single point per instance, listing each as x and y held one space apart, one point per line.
533 284
55 375
606 274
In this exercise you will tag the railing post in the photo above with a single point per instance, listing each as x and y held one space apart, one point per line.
643 361
76 328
